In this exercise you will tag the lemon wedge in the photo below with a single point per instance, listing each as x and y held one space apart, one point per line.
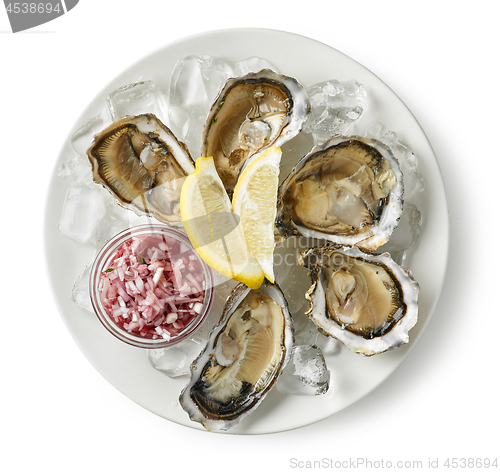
214 231
254 201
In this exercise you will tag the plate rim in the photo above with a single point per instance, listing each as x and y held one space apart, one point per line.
155 52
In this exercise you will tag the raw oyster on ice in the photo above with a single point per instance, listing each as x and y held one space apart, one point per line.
143 165
348 191
245 354
251 113
365 300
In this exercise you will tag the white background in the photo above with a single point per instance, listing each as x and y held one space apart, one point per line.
58 413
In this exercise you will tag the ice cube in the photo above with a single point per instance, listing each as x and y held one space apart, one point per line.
187 126
83 137
136 99
82 212
187 86
214 72
175 360
406 235
408 163
309 335
195 83
306 373
335 109
179 120
413 180
81 290
76 168
111 225
374 130
306 332
253 64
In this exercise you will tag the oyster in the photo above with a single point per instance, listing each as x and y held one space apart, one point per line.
348 191
143 165
251 113
364 300
245 354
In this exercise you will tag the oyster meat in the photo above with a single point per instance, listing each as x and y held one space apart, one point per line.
251 113
245 354
143 165
365 300
348 191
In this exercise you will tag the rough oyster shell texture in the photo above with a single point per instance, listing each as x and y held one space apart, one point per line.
348 191
143 165
245 354
365 300
250 114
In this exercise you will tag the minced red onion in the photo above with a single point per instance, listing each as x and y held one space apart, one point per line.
149 288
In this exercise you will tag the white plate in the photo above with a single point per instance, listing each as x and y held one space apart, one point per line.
353 376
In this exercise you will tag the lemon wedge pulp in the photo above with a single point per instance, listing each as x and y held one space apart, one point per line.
213 229
254 201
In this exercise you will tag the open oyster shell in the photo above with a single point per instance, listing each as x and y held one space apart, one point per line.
143 165
250 114
348 191
245 354
366 301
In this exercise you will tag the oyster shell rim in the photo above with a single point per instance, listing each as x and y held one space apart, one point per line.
376 235
158 130
297 113
236 296
396 336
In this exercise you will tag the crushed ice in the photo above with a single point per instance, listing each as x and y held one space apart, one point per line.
176 360
91 216
306 373
335 108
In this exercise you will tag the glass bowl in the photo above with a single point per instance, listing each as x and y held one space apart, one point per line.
121 309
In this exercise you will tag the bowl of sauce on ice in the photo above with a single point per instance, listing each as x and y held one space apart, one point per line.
149 287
